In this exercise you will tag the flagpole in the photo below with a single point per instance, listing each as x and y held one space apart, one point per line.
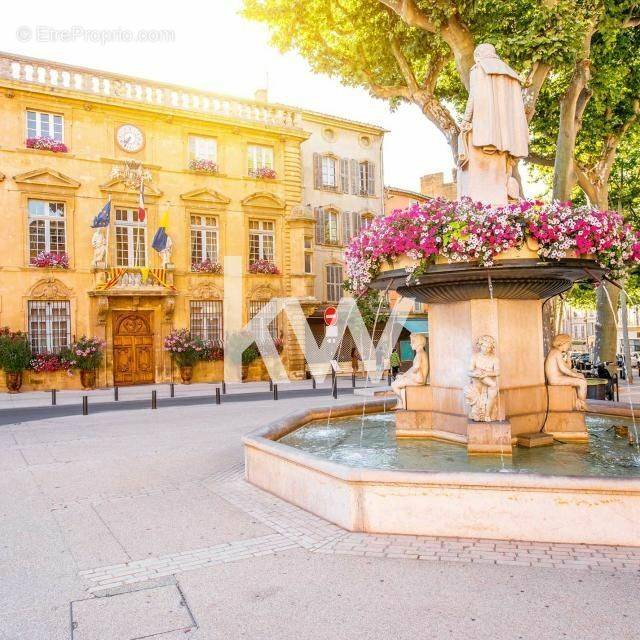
140 201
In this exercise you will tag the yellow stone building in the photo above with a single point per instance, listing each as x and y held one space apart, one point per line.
49 199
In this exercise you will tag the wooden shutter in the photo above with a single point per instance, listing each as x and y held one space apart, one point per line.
355 182
346 226
371 182
344 175
319 215
317 171
356 223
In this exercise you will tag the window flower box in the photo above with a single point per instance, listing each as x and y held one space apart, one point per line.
52 362
263 173
51 260
203 166
206 266
43 143
264 266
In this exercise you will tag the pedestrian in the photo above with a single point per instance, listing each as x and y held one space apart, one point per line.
394 363
354 360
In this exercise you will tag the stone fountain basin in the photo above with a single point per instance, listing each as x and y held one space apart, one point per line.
515 279
532 507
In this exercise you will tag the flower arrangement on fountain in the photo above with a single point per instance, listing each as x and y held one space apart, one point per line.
263 266
263 173
50 260
45 143
470 231
203 165
206 266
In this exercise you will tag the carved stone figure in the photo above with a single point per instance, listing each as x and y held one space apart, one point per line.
99 244
416 376
494 131
482 394
558 372
165 254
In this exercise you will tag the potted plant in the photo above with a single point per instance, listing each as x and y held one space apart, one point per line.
87 355
249 355
15 357
185 350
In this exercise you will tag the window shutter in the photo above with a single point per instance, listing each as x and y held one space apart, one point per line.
356 223
346 227
317 171
355 166
371 182
319 215
344 175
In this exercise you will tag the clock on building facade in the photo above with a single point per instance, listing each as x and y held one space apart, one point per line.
130 138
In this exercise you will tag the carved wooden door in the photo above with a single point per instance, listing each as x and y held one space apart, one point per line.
133 349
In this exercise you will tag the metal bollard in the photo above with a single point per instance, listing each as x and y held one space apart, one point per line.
275 391
85 405
389 378
224 387
270 385
353 379
217 395
172 390
154 399
335 387
54 400
116 394
313 382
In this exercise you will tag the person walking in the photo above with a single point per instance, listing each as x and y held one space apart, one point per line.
354 360
394 363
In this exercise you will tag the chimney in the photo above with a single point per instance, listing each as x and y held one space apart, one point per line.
261 95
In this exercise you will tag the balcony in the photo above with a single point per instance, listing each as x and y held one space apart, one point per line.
104 85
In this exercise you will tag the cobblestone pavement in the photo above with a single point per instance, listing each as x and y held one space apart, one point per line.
102 508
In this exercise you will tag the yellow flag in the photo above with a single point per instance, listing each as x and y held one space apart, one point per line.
164 220
144 271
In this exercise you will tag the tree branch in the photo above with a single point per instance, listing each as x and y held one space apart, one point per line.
405 66
533 83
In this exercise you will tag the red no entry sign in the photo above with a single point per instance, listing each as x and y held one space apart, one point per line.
330 316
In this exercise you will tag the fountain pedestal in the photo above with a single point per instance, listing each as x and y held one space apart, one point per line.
463 306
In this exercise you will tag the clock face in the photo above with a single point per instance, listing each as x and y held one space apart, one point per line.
130 138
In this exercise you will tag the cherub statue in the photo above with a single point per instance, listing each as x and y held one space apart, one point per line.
416 376
99 244
482 394
558 372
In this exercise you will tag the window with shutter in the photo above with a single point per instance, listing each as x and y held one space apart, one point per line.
317 171
344 175
319 215
371 182
355 177
346 226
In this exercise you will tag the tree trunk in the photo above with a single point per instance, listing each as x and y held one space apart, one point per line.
624 312
607 296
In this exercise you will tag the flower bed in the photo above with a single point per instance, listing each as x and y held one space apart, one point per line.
206 266
263 266
470 231
46 144
263 173
51 362
203 166
51 260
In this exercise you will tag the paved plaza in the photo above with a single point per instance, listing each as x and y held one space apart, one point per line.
138 524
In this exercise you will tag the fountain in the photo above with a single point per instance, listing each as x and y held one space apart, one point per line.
485 272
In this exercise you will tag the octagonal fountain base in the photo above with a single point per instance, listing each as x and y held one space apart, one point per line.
522 506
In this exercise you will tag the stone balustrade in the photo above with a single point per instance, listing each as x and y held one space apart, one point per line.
155 94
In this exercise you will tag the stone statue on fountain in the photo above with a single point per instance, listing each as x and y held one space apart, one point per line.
494 131
416 376
482 394
559 373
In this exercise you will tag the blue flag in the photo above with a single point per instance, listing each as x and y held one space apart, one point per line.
160 239
104 217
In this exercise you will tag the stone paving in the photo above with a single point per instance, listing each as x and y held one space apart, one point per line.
99 507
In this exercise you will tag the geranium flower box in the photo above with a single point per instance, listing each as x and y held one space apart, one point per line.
43 143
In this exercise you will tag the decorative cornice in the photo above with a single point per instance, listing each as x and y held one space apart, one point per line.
263 199
205 196
47 177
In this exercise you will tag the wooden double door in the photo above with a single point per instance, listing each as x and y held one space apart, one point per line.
133 348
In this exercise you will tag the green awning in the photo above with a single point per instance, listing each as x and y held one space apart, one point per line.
416 325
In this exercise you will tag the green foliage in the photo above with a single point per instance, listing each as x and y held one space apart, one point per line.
373 305
250 354
15 351
582 296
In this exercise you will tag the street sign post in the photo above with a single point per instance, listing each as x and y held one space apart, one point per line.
330 316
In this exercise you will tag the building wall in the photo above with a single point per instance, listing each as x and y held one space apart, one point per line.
435 186
401 199
340 139
81 179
